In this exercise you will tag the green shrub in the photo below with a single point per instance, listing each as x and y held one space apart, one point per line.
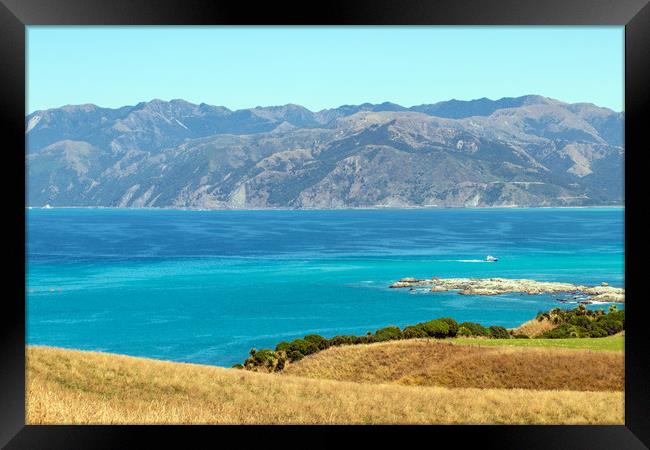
436 328
319 341
414 331
343 340
294 355
264 357
302 346
475 329
388 334
580 321
452 324
283 346
584 323
561 332
520 336
616 315
367 339
281 359
497 332
610 325
597 332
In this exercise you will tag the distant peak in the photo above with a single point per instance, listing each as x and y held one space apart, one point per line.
180 101
155 101
538 99
484 103
85 107
160 102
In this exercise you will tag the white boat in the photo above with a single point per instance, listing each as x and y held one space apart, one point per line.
490 258
47 206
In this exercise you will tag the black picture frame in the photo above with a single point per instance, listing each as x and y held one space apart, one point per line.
15 15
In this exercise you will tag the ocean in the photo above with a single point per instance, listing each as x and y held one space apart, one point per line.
207 286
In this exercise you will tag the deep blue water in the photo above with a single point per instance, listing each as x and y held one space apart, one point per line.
206 286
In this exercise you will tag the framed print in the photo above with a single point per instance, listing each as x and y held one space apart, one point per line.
356 214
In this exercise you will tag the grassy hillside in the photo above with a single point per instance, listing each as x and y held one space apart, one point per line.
557 324
68 386
534 327
426 362
609 344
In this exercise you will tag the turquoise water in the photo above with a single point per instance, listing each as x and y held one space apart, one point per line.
206 286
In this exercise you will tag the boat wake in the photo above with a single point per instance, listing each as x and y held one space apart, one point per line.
488 258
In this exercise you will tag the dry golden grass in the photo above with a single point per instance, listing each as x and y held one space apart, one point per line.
428 362
614 343
67 386
534 327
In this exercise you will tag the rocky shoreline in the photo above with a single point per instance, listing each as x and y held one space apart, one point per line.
497 286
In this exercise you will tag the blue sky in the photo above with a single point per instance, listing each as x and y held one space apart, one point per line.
321 67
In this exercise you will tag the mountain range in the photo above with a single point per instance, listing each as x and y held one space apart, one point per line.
523 151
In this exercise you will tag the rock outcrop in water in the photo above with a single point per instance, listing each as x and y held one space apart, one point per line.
497 286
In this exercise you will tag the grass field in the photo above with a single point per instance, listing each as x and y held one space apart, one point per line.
534 327
610 343
430 362
69 386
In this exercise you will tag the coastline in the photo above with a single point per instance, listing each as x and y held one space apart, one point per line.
571 344
360 208
452 341
543 343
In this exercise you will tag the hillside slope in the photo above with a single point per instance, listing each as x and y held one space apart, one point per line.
68 386
427 362
526 151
